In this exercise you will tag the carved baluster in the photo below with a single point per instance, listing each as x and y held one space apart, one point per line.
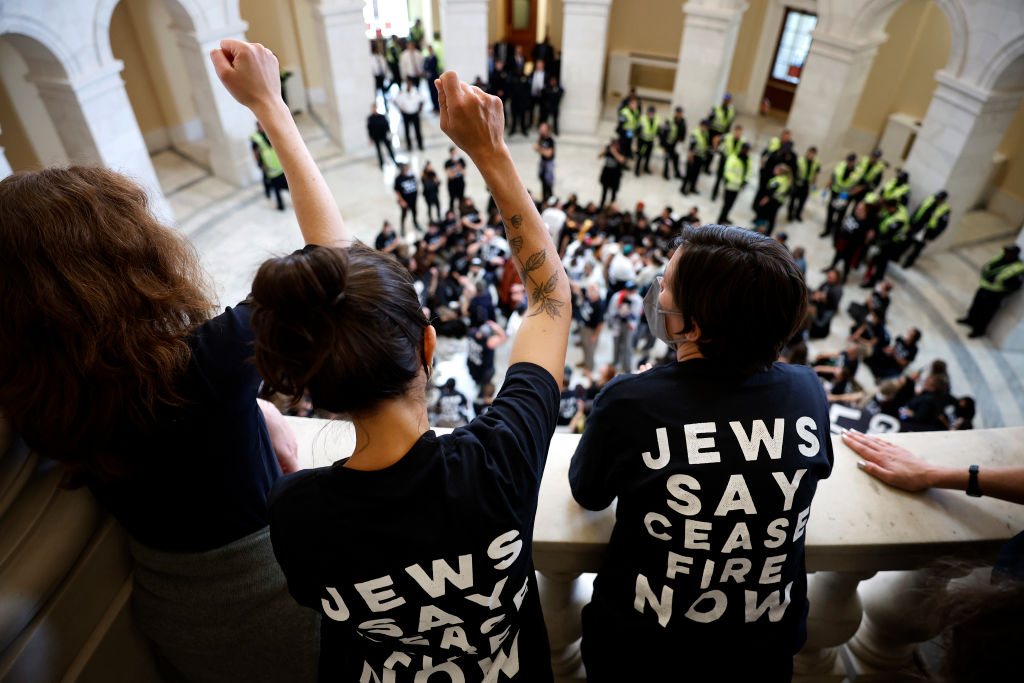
833 619
899 613
562 597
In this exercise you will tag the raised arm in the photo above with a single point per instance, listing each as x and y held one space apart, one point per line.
475 122
251 74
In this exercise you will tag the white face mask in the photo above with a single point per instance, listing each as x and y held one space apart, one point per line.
656 315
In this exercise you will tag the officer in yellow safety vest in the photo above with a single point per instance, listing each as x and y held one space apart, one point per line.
890 240
870 170
727 145
844 180
629 118
738 171
647 133
774 197
898 188
807 168
721 117
700 148
1001 277
770 156
927 223
270 167
671 132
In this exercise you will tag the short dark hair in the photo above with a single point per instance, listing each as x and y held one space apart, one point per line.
343 324
744 290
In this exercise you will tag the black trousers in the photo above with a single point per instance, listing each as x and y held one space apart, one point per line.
519 119
433 202
379 80
412 120
671 161
387 145
456 193
768 213
797 199
692 173
608 189
643 155
916 247
433 93
880 263
729 200
409 208
718 177
276 185
983 309
834 214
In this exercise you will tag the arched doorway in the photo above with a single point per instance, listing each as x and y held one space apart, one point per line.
29 137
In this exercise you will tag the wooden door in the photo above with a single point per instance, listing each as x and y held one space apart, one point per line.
521 24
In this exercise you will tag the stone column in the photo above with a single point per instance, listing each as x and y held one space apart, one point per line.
584 42
958 139
5 166
227 125
464 34
347 73
96 125
830 87
705 55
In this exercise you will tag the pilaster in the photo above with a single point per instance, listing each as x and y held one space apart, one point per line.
464 32
584 43
705 56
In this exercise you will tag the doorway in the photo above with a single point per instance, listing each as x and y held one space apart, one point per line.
788 59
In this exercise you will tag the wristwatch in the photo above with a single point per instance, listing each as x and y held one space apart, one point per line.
972 482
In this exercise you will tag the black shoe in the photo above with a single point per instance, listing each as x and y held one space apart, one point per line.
963 321
974 334
823 234
867 284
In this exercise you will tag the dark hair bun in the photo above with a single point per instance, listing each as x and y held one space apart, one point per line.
343 324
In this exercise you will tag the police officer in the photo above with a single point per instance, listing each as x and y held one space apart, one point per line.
1000 277
890 240
700 147
671 132
927 223
727 145
807 168
522 102
778 191
870 170
844 180
898 188
721 117
738 171
647 133
270 166
629 117
767 167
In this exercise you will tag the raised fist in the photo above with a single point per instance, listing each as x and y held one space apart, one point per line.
474 120
249 71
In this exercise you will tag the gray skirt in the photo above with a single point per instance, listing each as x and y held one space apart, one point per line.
225 614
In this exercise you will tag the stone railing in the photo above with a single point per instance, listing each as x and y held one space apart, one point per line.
877 554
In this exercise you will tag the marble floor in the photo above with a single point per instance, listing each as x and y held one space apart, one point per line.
235 229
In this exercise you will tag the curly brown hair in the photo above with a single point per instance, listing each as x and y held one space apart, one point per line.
97 301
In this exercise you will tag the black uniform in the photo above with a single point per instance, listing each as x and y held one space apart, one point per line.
380 132
405 185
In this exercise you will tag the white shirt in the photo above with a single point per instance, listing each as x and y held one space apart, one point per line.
409 101
410 64
554 218
537 84
621 269
380 65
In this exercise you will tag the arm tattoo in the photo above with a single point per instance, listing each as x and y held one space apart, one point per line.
540 292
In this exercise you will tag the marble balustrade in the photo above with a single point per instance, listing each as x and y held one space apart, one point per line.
877 555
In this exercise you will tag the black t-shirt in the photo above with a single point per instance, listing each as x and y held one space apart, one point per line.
591 312
456 165
204 471
547 143
714 477
429 558
405 185
566 406
384 240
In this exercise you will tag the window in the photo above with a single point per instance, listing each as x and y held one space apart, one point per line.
793 46
389 17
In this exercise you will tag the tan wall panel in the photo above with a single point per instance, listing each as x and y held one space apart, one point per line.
138 81
653 27
270 23
495 21
302 17
1011 180
746 46
902 77
28 135
556 18
163 61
